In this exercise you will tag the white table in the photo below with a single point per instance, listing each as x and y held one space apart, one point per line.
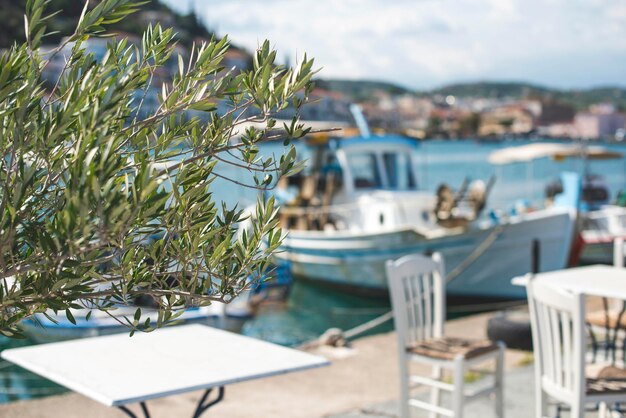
597 280
118 370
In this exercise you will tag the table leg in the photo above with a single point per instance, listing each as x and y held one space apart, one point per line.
594 342
608 341
203 405
618 324
131 414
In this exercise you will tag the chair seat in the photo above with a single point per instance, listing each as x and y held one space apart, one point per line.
605 386
599 318
612 372
447 348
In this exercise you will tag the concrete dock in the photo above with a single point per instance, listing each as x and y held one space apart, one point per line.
362 378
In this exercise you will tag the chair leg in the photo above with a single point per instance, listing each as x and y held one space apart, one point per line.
499 382
404 387
578 410
541 399
458 396
435 392
541 402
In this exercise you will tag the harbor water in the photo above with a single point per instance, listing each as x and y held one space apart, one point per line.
310 309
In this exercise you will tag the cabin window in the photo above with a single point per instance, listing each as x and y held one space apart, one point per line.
364 170
399 172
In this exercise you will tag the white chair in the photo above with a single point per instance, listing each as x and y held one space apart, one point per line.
417 288
619 252
559 342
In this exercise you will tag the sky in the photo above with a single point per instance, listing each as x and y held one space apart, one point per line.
423 44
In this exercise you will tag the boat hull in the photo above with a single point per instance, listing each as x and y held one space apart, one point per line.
356 262
599 229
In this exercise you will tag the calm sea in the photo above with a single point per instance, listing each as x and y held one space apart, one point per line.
312 310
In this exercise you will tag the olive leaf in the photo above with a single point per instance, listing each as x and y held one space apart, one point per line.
106 174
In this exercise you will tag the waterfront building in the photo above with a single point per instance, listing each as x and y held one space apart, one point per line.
601 121
514 118
555 113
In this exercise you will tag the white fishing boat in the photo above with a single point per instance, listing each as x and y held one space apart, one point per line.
360 205
600 222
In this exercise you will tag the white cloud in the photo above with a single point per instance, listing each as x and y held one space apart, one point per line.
425 43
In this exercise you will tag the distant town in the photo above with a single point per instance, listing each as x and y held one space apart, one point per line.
483 110
444 114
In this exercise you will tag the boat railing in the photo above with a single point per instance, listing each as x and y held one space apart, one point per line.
347 215
611 220
312 218
312 210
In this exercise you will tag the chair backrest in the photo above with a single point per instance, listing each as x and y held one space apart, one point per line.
619 252
417 288
559 340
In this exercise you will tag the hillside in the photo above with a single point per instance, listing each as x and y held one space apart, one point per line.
491 90
584 98
187 26
361 90
580 99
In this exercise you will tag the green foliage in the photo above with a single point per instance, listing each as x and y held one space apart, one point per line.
63 23
579 99
492 90
365 91
434 126
469 125
102 201
507 123
362 90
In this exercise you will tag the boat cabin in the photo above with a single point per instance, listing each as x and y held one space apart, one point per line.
356 184
367 164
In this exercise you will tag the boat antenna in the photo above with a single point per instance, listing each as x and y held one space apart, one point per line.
359 119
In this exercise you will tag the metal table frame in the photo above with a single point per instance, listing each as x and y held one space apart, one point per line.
202 406
604 286
608 282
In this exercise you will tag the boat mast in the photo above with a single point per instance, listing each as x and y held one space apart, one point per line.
359 119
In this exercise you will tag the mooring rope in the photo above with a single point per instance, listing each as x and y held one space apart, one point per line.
358 330
474 255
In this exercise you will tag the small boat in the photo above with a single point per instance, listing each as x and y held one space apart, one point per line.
360 205
600 222
599 229
231 316
41 329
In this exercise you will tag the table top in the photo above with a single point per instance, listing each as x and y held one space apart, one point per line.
596 280
118 369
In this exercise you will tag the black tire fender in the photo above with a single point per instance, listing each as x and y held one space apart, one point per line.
515 333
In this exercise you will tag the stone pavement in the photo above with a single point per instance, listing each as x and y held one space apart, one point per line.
519 402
